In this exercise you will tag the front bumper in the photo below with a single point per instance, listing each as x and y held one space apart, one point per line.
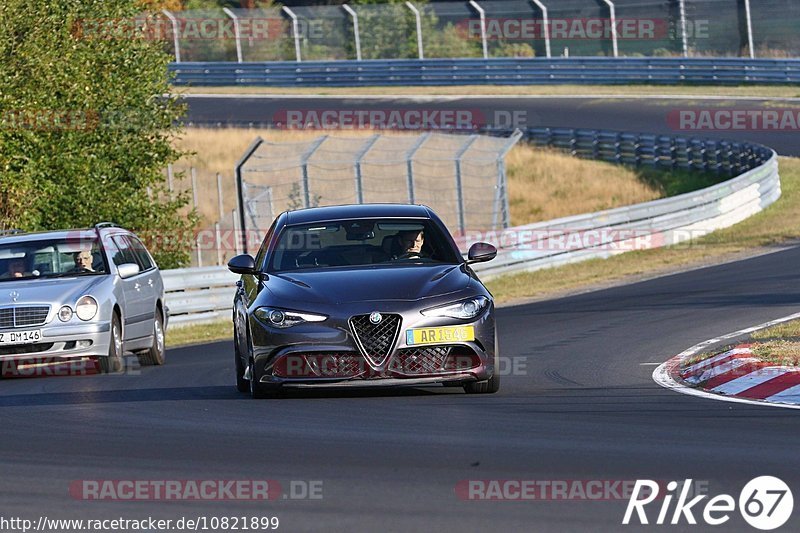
327 353
62 341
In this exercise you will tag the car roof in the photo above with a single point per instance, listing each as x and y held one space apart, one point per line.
340 212
14 237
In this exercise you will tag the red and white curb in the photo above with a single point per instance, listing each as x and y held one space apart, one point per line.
733 376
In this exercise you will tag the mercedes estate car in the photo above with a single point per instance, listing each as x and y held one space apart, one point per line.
94 293
373 294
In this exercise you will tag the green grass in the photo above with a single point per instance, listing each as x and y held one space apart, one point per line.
776 225
765 91
199 334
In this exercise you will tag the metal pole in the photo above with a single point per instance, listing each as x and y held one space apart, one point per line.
503 177
749 16
459 188
356 34
684 35
236 33
239 186
235 223
410 164
546 26
219 196
194 203
482 14
295 32
419 28
610 5
359 156
218 238
169 179
175 33
304 165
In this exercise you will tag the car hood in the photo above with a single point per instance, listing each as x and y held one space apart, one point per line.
51 291
386 283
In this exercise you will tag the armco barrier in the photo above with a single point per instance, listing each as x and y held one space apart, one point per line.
205 294
497 71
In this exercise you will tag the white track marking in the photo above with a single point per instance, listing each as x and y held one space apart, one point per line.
757 377
662 374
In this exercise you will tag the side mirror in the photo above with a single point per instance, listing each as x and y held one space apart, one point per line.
242 264
128 270
481 252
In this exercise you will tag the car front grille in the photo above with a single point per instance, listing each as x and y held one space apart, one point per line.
420 360
376 341
22 316
320 365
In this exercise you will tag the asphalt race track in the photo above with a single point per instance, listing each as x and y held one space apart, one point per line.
581 406
652 115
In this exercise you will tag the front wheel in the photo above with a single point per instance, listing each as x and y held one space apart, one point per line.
113 362
155 354
491 385
242 384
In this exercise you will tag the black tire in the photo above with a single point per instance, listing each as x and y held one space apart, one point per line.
114 361
242 384
257 391
155 355
491 385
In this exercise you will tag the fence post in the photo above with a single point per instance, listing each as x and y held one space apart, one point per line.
218 239
175 34
304 165
236 33
169 180
356 33
482 14
684 35
419 28
410 164
239 185
220 203
235 224
749 16
613 12
295 32
546 25
502 181
194 203
359 156
459 188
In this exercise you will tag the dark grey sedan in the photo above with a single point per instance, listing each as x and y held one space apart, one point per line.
374 294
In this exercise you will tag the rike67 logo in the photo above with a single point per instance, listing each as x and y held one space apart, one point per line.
765 503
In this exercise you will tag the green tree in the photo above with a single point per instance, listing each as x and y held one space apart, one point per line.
85 131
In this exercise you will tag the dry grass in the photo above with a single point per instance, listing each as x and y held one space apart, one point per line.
766 91
787 330
778 352
199 333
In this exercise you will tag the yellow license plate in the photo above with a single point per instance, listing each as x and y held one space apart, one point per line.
440 335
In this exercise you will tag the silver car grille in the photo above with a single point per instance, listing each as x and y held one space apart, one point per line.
23 316
376 341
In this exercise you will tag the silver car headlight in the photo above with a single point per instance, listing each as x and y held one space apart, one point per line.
86 308
65 314
283 318
464 309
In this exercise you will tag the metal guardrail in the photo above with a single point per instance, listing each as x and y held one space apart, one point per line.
494 71
205 294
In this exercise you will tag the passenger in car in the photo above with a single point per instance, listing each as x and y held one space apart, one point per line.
83 261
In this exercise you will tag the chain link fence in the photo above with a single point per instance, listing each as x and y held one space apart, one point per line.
461 177
482 28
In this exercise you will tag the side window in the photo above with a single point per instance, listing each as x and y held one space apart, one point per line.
123 253
143 258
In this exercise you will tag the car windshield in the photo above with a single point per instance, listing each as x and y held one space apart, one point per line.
49 258
361 243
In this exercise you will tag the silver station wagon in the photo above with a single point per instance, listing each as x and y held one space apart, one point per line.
68 295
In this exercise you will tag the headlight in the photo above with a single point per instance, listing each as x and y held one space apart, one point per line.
86 308
65 314
463 309
282 318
